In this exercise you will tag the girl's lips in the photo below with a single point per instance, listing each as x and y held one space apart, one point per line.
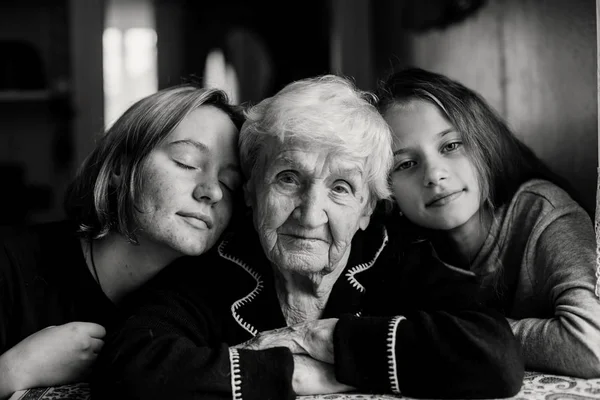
443 199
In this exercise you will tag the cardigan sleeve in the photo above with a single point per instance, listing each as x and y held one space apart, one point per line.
564 277
433 354
169 347
6 299
425 333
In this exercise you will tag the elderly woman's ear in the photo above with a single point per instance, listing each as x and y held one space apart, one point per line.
365 218
248 193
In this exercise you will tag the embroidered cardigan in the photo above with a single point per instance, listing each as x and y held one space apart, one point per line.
423 338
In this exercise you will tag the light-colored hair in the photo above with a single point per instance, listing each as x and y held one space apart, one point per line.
328 112
98 203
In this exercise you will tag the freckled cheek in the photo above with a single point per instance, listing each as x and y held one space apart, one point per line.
164 199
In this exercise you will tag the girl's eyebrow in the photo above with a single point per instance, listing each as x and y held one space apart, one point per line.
400 151
202 148
440 134
445 132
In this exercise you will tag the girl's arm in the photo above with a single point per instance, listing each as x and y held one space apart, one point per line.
564 278
53 356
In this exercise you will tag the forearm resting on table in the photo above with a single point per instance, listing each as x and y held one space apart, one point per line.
8 378
559 345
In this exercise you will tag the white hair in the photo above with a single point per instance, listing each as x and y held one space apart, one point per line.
329 112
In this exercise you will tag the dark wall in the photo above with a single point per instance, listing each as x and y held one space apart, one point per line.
295 37
534 62
36 149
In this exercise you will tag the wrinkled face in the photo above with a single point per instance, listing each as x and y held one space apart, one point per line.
307 205
433 181
189 180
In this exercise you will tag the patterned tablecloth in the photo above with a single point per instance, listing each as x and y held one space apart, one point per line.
535 387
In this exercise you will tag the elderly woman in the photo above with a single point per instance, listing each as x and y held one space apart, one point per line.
296 301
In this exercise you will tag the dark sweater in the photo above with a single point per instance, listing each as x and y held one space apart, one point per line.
44 281
408 325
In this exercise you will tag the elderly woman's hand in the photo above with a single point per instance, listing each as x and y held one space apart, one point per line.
314 338
315 377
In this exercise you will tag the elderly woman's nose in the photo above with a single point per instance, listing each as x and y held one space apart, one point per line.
208 188
310 212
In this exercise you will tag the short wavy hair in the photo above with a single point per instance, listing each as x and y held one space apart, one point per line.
98 204
327 111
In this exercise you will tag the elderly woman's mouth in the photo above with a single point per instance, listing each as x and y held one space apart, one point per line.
303 240
305 237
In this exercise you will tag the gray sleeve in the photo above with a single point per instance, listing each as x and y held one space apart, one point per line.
561 256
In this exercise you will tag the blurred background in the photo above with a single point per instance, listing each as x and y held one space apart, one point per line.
69 68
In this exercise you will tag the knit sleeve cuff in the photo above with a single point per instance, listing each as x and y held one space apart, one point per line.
365 355
263 374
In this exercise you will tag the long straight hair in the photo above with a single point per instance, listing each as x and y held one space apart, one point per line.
502 161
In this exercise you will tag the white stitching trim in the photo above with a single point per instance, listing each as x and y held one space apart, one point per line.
259 285
365 266
597 229
597 288
236 378
391 353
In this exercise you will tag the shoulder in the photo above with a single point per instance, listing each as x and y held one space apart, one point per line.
544 194
218 272
539 199
29 251
540 208
25 232
192 270
43 236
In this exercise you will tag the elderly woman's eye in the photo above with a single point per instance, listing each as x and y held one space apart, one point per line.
288 178
342 187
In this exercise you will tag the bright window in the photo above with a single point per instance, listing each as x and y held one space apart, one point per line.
130 56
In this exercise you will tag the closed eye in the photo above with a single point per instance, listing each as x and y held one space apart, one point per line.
184 166
231 183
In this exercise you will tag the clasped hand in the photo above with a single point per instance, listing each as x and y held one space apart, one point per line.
311 344
313 338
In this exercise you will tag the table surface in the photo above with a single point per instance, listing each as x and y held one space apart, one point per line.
536 386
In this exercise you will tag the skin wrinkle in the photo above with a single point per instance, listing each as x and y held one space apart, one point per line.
308 207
